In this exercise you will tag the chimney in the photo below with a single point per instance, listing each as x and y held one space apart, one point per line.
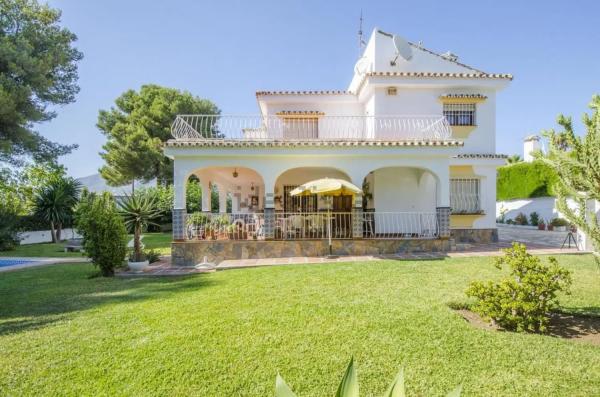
531 144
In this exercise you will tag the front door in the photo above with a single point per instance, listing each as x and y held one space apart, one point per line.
342 220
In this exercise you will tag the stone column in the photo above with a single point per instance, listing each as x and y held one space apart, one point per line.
206 195
269 227
179 219
222 199
357 217
443 222
179 207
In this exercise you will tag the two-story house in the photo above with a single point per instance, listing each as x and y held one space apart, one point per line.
415 130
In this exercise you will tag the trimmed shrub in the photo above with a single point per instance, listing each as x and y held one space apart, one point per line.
521 219
525 180
557 222
534 218
103 231
523 301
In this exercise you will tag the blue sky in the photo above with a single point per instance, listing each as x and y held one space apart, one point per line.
226 50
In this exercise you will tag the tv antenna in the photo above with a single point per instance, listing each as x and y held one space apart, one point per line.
361 42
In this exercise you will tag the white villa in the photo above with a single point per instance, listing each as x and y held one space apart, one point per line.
415 130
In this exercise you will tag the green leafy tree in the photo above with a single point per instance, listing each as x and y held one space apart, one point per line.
103 231
576 161
38 69
139 211
55 203
136 129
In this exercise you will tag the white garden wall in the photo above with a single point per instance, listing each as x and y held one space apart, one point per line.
44 236
544 206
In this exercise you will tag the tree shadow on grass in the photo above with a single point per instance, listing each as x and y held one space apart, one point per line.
575 326
35 298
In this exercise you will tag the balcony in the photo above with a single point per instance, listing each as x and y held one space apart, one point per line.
311 127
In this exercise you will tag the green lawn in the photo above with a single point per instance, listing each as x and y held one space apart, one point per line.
158 241
230 332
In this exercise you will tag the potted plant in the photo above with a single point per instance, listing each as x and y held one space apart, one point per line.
198 221
560 224
138 211
219 225
235 231
541 225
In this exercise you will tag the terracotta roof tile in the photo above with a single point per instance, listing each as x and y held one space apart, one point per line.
236 143
480 156
309 92
463 96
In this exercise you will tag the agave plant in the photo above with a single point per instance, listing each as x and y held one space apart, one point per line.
138 211
55 203
349 386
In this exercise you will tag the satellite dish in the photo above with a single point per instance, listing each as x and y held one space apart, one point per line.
403 49
362 66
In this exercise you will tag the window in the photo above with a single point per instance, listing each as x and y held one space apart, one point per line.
460 113
301 128
464 196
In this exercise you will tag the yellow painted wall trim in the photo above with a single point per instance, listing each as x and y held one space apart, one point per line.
462 171
458 221
462 131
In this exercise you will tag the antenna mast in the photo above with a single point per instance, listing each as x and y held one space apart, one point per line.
361 42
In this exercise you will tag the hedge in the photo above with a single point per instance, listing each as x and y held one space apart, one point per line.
524 180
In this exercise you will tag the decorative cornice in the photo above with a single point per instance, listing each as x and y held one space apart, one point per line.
442 75
480 156
463 96
236 143
296 113
310 92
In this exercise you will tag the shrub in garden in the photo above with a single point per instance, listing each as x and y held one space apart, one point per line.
349 386
534 218
103 231
524 300
9 237
139 211
521 219
557 222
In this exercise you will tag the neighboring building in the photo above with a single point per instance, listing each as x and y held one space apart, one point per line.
415 129
96 184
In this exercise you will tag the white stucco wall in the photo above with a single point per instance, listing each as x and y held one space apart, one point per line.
544 206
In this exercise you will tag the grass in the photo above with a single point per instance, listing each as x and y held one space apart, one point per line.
158 241
230 332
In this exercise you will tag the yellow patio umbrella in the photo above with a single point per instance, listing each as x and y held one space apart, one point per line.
327 187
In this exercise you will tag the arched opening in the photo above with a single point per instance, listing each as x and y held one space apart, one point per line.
233 190
312 216
400 202
224 203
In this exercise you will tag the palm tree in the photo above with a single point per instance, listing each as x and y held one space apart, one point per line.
138 211
514 159
55 202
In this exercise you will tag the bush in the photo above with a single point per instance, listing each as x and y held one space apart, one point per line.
147 255
521 219
9 228
523 301
525 180
103 231
534 218
557 222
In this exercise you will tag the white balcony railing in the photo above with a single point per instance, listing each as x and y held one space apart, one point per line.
333 128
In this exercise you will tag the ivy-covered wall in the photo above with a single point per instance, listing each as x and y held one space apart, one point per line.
524 180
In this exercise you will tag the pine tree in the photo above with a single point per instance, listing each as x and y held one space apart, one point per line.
576 160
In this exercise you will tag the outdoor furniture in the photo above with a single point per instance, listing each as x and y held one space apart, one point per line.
74 245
